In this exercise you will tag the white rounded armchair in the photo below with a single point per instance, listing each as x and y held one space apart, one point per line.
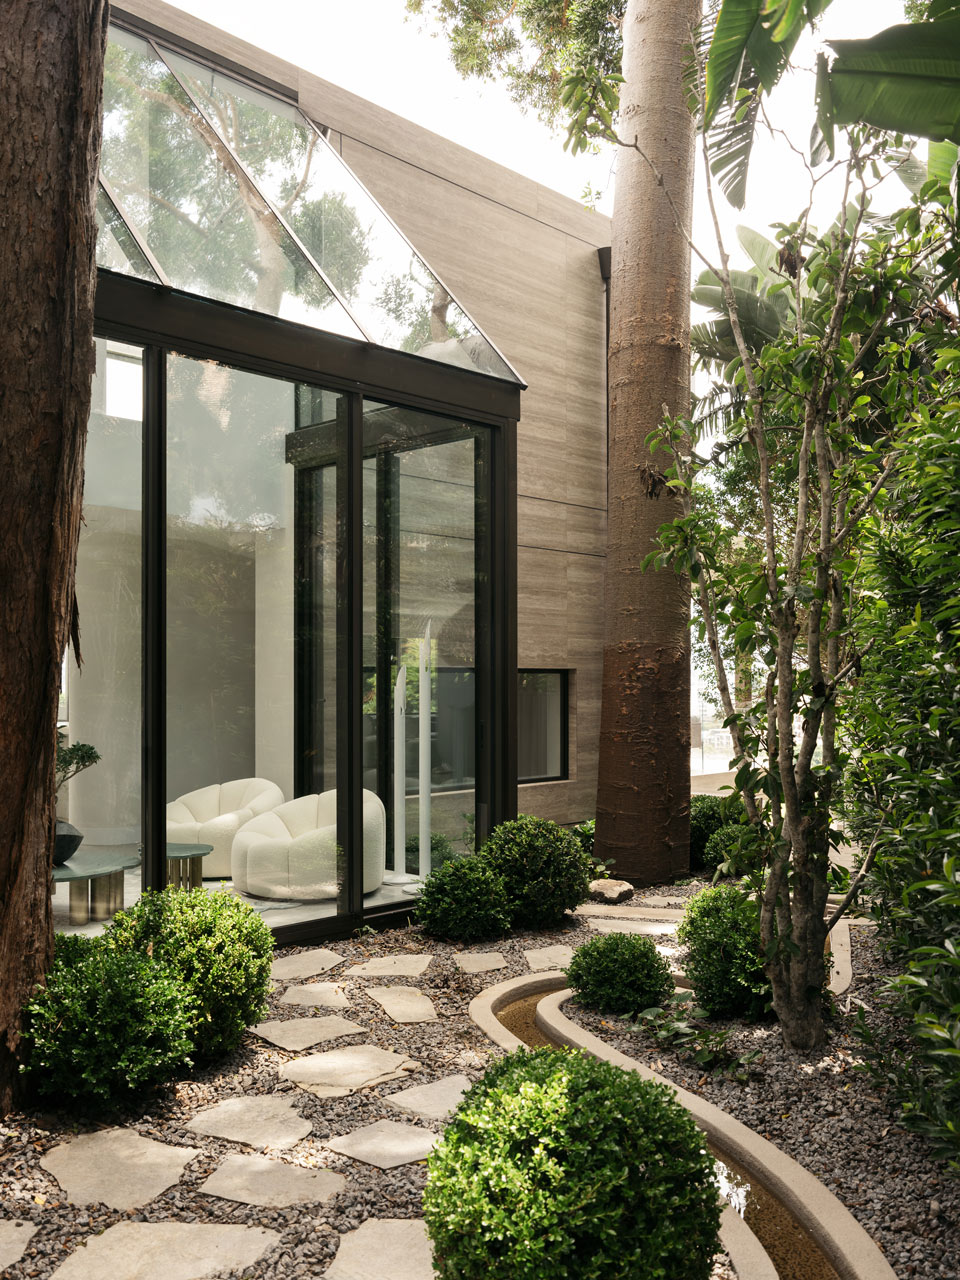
214 815
291 852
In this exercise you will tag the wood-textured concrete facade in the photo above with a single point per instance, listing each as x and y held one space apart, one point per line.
523 262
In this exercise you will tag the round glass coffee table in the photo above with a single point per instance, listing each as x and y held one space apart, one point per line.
95 876
185 864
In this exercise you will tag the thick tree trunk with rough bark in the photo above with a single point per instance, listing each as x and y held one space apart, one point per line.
643 796
51 75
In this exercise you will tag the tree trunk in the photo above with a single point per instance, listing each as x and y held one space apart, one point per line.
51 75
643 795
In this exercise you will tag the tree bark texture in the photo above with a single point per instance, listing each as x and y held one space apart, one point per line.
51 77
643 795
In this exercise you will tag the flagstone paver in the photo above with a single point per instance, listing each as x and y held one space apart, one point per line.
304 1033
272 1183
649 928
555 957
405 966
432 1101
404 1004
174 1250
305 964
256 1121
338 1072
480 961
116 1167
655 900
314 995
386 1144
15 1235
362 1252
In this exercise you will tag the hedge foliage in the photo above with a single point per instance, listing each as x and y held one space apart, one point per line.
556 1166
621 973
544 868
464 900
721 931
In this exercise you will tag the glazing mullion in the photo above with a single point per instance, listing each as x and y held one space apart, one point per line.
154 680
133 228
335 292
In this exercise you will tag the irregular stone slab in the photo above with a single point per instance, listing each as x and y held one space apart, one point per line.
305 964
649 928
404 1004
255 1120
257 1180
116 1167
322 995
480 961
432 1101
610 890
556 957
386 966
338 1072
362 1252
304 1033
387 1144
656 900
14 1237
174 1250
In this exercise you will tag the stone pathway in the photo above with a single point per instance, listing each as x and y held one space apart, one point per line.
121 1168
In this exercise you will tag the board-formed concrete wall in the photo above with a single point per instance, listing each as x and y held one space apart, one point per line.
523 262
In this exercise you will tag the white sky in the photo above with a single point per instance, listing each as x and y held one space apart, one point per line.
371 48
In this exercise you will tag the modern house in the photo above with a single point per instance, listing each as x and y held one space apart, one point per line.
340 576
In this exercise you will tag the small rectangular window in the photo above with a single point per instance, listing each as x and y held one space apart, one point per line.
542 726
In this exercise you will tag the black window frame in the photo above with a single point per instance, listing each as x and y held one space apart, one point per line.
564 674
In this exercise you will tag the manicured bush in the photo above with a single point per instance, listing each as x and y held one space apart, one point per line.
107 1023
441 850
721 931
544 868
620 973
723 846
706 817
464 900
220 949
556 1166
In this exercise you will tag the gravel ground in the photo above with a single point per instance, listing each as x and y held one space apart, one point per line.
823 1113
831 1118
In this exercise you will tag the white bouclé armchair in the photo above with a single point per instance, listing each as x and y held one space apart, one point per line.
291 852
214 815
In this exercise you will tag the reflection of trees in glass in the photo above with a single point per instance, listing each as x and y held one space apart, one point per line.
208 226
420 308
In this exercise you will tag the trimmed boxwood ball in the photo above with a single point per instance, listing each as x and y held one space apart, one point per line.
220 949
464 900
106 1024
544 867
721 846
620 973
706 817
557 1166
721 931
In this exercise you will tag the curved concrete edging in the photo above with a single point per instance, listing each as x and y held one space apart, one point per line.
745 1250
846 1244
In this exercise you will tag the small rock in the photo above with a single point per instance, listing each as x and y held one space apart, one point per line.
610 890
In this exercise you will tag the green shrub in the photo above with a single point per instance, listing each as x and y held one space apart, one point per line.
585 833
544 868
706 817
219 947
441 851
107 1023
556 1166
620 973
722 847
721 931
464 900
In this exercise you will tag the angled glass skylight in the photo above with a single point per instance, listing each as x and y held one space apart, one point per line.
239 197
209 229
117 246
